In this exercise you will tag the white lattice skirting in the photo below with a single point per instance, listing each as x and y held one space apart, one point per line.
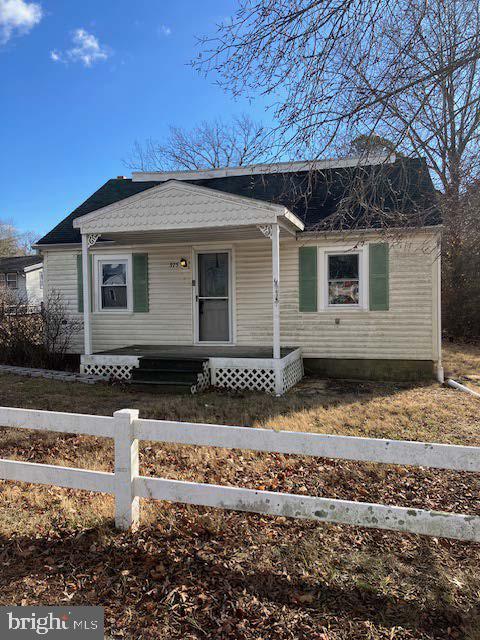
238 374
243 378
292 373
117 371
258 374
108 367
203 379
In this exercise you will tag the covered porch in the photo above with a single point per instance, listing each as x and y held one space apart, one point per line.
210 227
234 367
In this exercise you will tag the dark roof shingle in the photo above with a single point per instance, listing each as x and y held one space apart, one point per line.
312 196
18 263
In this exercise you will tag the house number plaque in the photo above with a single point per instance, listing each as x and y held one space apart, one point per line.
179 264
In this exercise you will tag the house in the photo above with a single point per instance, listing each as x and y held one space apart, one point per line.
225 276
21 279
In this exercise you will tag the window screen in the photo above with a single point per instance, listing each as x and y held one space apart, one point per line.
113 284
343 279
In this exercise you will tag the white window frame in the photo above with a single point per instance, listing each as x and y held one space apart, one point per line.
100 259
11 273
363 293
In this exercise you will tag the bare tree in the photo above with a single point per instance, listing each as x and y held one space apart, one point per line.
365 145
208 145
36 337
461 265
405 71
308 56
440 120
14 242
58 329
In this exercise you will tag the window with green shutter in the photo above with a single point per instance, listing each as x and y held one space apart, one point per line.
307 274
379 276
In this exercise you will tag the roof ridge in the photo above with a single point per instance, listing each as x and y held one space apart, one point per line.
264 168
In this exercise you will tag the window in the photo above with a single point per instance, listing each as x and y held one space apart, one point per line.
41 279
12 282
343 273
113 284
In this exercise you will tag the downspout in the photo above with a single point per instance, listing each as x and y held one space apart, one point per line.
462 387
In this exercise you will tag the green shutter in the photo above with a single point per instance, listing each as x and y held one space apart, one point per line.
379 276
307 274
140 282
80 282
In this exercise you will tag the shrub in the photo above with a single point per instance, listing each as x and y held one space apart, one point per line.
35 336
59 329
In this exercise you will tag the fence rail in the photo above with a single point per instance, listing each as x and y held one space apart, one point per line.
128 486
421 454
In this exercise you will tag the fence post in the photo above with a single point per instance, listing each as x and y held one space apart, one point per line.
126 468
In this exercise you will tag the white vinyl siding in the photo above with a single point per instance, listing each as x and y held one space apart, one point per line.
402 332
169 320
33 286
405 331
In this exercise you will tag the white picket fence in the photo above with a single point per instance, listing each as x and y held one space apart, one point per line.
128 486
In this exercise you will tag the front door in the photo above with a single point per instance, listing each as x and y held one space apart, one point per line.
213 296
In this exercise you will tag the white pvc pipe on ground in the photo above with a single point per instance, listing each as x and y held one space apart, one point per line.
462 387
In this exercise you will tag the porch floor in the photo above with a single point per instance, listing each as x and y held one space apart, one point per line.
193 351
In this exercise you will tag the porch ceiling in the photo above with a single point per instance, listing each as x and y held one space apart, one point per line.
188 236
175 206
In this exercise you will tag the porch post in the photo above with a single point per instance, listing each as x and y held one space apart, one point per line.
87 330
276 289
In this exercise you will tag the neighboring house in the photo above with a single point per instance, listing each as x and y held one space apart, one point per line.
221 275
21 278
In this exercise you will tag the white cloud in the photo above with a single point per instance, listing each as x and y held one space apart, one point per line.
164 30
18 17
86 49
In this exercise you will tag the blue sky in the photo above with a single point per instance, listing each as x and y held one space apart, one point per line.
82 80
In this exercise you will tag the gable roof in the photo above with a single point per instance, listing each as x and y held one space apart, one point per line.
177 204
312 196
18 263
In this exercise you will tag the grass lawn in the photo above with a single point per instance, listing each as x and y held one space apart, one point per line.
194 572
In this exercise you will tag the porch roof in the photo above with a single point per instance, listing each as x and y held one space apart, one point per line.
191 236
174 206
